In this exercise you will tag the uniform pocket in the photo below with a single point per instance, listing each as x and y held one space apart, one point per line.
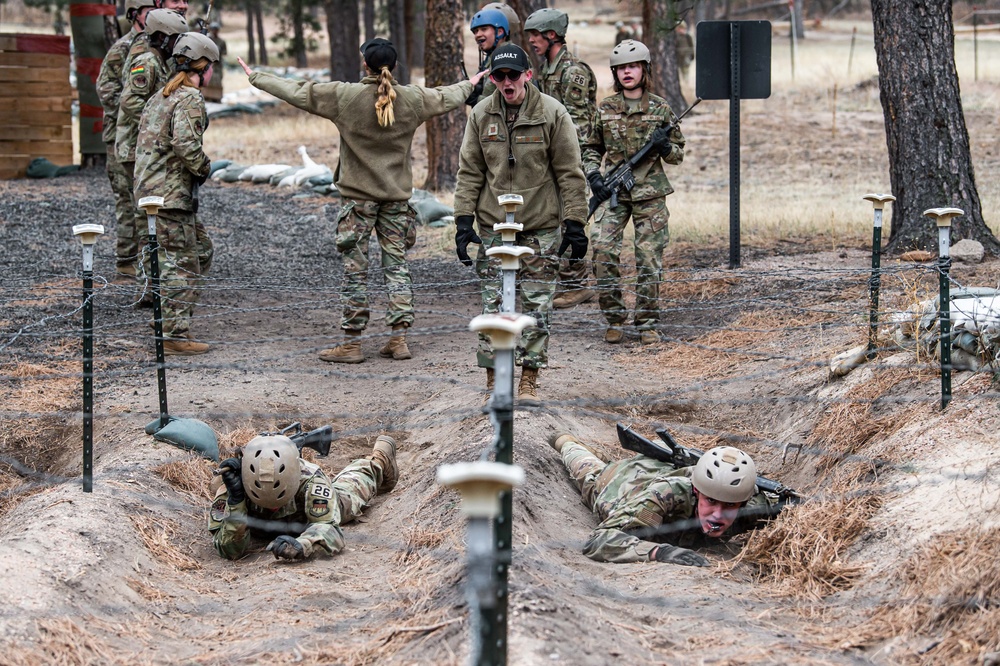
347 236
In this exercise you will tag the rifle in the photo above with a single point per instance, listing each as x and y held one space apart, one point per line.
319 439
681 456
621 178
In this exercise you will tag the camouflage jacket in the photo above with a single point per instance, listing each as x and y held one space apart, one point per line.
143 76
540 161
645 502
619 134
109 82
485 87
169 158
572 82
313 517
374 160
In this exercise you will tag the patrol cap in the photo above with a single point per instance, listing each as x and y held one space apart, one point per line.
379 53
510 56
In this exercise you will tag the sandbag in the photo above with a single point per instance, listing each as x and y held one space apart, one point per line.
43 168
187 434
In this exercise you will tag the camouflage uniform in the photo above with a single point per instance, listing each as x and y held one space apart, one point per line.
144 73
313 517
170 163
374 177
572 82
642 495
109 89
485 87
619 132
546 172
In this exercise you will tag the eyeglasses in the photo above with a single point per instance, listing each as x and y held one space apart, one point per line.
502 74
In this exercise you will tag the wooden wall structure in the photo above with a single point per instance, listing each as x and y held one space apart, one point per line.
35 101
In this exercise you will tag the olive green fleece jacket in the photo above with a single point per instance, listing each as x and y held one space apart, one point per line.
374 160
547 168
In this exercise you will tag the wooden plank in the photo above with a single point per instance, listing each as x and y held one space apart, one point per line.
35 148
34 74
34 43
23 133
11 173
14 104
38 118
13 59
28 89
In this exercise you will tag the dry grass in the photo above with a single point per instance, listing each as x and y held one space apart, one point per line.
803 553
948 600
191 475
157 534
64 642
680 286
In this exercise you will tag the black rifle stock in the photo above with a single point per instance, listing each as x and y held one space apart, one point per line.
681 456
318 440
621 178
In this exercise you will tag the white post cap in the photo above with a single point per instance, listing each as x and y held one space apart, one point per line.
510 256
150 204
480 484
503 329
508 226
879 200
88 233
510 202
942 216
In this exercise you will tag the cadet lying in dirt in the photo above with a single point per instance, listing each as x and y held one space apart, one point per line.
269 490
654 511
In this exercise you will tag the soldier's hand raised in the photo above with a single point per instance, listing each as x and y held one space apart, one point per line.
246 67
231 470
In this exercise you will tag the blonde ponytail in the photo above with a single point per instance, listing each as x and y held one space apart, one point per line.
386 95
181 78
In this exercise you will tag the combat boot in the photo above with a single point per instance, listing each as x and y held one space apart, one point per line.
649 337
348 351
559 439
572 297
183 346
385 455
527 388
613 335
396 347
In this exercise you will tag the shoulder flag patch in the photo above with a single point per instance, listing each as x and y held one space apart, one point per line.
139 69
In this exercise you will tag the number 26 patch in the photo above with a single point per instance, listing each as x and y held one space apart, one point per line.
322 491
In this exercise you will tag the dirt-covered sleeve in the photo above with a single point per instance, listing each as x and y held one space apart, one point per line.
189 122
471 169
645 510
323 515
318 98
228 526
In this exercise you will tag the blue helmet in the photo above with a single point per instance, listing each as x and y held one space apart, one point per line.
494 18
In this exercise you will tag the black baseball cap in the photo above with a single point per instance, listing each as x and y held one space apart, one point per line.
379 53
510 56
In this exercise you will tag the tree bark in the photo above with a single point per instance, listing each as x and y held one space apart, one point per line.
397 34
416 18
524 8
443 66
345 37
298 45
251 42
659 19
369 15
261 37
930 162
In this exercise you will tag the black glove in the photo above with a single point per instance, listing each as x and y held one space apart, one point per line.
463 236
232 476
573 237
598 186
287 548
661 138
477 92
676 555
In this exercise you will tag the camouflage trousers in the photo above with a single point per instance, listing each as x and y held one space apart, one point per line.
536 282
127 246
356 485
587 471
649 219
393 223
185 255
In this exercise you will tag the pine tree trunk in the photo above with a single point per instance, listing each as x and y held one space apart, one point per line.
659 19
397 34
298 45
416 18
443 66
369 12
345 37
261 37
930 164
251 42
524 8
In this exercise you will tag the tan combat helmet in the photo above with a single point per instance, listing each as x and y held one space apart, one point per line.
628 51
546 19
725 474
194 46
512 18
271 470
166 21
133 7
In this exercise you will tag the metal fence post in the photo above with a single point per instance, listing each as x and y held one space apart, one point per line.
152 206
875 282
481 484
942 217
88 234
